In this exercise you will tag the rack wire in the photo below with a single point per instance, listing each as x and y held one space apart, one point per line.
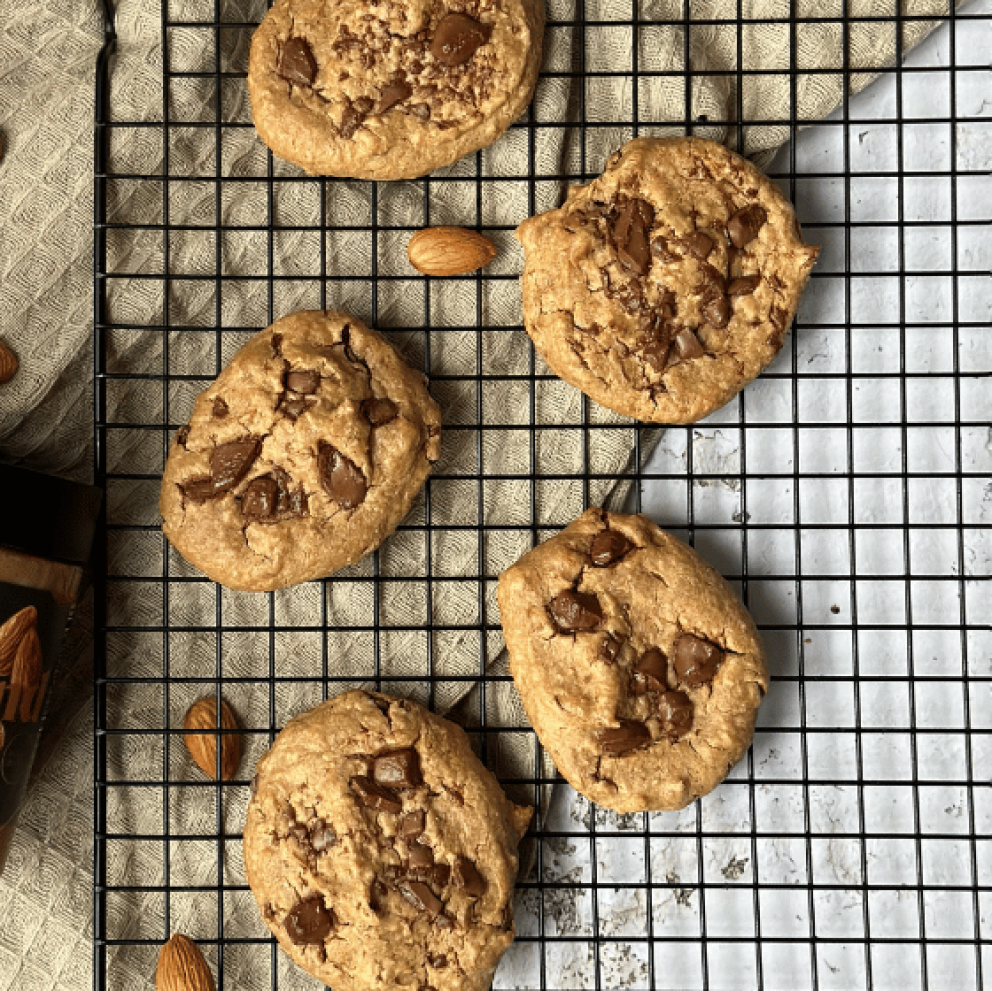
846 494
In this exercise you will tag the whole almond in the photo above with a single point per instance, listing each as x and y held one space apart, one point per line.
449 251
8 363
11 634
181 967
202 715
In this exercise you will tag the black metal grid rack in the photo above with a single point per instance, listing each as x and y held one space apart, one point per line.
845 493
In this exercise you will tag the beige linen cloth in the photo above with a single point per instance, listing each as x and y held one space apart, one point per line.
47 55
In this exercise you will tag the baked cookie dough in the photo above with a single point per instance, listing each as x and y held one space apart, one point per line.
638 667
391 90
302 457
667 284
382 854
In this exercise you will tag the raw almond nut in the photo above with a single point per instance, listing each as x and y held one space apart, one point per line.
181 967
202 747
11 634
449 251
8 363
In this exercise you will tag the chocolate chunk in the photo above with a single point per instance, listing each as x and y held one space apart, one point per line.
364 105
397 769
260 499
657 355
443 921
698 244
420 856
352 118
609 649
629 234
421 110
457 38
411 824
662 251
302 380
229 462
675 712
322 836
687 345
379 412
276 344
309 921
650 672
374 796
695 661
743 286
437 960
220 408
420 896
716 309
199 490
342 480
572 611
435 874
392 93
296 62
743 226
626 737
466 876
295 408
608 546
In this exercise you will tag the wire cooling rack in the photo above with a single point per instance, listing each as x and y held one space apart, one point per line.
846 494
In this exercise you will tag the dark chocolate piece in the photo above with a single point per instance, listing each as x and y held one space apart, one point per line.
392 93
341 479
230 462
260 499
397 769
608 546
199 490
374 796
716 309
629 234
420 896
419 856
296 62
695 661
687 345
220 408
573 611
466 876
743 226
698 244
457 38
305 381
623 739
379 412
650 672
309 921
744 285
609 649
411 824
675 712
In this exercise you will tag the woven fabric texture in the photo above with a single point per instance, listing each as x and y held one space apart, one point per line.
47 55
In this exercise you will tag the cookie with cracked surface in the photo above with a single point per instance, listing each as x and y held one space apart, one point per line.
667 284
638 666
301 457
381 852
394 90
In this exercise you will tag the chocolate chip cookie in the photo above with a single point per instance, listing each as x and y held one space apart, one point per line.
638 666
302 457
391 90
667 284
382 854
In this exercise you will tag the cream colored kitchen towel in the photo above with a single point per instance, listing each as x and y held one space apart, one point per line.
484 506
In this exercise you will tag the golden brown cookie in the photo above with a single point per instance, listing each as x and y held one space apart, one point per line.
667 284
382 854
391 90
302 457
638 666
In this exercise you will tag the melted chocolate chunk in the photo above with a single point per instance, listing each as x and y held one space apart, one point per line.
295 408
351 120
199 490
629 234
687 345
695 661
419 856
322 836
305 381
657 355
608 546
698 244
675 712
392 93
438 961
341 479
466 877
260 499
435 874
573 611
650 672
296 62
743 226
626 737
220 408
309 921
379 412
420 896
411 825
442 921
457 38
744 285
398 769
716 309
229 462
374 796
662 251
182 435
609 649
